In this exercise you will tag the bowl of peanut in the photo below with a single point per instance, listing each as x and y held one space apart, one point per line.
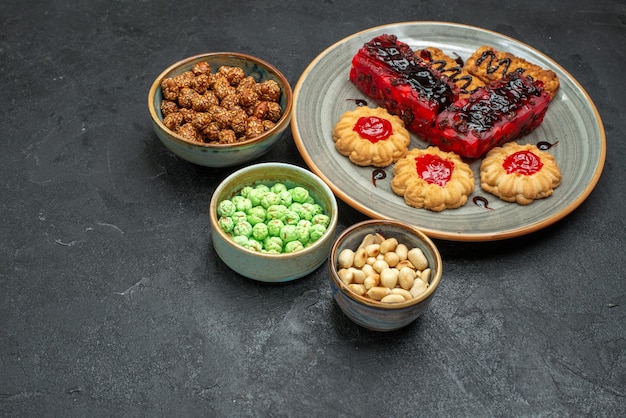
383 273
273 222
220 109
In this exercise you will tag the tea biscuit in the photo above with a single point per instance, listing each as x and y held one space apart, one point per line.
519 173
432 179
452 68
371 137
489 64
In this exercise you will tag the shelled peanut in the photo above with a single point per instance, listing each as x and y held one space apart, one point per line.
384 270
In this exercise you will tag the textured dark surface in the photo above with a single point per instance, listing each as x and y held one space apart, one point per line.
114 303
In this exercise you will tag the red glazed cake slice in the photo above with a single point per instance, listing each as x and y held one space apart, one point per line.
386 70
500 112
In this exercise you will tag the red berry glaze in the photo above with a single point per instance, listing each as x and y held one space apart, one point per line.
434 169
373 128
502 111
522 162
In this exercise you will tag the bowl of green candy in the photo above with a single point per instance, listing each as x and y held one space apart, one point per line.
273 222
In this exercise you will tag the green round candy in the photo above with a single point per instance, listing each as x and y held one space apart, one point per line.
276 212
274 226
278 187
253 244
256 215
291 217
226 224
321 219
304 222
255 195
270 199
288 233
307 210
244 192
317 230
303 230
239 216
259 231
293 246
273 219
318 209
226 208
240 240
285 198
242 228
242 203
273 244
296 207
299 194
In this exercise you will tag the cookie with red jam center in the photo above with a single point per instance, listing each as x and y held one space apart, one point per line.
519 173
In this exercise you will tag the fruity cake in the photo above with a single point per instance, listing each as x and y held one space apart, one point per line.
434 100
387 71
499 112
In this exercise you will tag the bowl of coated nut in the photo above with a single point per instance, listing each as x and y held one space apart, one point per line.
220 109
273 222
383 273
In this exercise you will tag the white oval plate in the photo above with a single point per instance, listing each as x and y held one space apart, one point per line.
323 93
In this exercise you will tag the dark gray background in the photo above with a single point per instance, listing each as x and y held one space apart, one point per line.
114 303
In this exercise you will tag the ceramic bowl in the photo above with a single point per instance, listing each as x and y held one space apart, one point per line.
221 155
270 267
373 314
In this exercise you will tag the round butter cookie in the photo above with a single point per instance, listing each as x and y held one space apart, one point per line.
371 137
433 179
519 173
